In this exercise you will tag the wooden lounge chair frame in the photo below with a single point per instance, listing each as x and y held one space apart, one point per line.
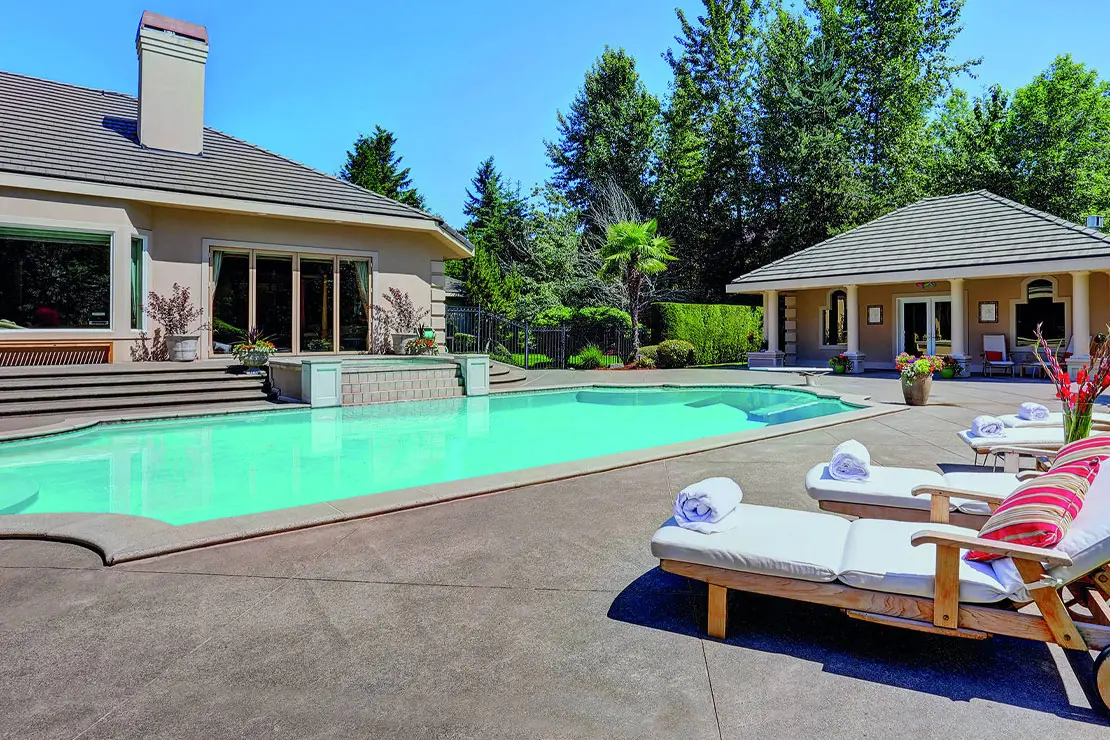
1058 622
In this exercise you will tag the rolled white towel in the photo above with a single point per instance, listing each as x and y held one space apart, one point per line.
987 426
850 462
1030 411
705 506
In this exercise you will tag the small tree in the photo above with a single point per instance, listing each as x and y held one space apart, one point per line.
632 252
406 317
177 313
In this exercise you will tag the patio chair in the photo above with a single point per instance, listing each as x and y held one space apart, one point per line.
1055 419
996 355
1013 443
900 575
900 494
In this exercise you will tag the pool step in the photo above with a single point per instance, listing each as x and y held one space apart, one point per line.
78 389
501 374
782 412
407 384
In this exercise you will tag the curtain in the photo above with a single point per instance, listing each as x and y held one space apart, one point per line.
362 269
217 262
136 283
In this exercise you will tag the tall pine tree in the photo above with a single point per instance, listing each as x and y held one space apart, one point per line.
372 164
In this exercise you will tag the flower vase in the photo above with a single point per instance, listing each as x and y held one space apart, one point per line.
1077 424
916 390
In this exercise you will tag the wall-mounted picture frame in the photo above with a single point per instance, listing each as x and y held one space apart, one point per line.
874 315
988 312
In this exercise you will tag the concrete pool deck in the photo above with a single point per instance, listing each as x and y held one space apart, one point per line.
534 613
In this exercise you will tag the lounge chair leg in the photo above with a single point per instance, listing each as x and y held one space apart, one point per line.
718 611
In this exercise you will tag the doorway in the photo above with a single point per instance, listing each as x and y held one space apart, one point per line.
924 326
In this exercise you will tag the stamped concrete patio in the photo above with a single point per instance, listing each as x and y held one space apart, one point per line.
533 613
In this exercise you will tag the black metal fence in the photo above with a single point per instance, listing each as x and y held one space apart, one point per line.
474 330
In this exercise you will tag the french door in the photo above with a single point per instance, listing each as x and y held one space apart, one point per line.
924 325
304 303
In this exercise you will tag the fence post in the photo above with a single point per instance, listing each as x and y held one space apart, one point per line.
563 348
478 332
527 341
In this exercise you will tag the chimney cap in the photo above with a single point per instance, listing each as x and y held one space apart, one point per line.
181 28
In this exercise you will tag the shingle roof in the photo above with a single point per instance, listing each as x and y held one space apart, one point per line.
77 133
953 231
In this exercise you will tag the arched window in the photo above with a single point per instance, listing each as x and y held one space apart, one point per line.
1039 306
834 320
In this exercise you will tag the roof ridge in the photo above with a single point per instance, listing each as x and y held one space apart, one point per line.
1086 231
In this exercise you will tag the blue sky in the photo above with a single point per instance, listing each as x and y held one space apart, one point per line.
456 81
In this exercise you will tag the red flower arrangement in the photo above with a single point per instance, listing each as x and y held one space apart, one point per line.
1089 383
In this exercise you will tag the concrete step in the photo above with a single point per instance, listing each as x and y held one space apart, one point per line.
115 379
118 390
143 368
404 385
73 405
412 394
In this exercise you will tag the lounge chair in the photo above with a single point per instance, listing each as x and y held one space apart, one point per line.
909 575
1055 419
996 355
900 493
1014 442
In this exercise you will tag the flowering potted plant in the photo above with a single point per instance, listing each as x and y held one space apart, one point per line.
917 376
178 316
840 364
1090 382
421 346
950 368
254 351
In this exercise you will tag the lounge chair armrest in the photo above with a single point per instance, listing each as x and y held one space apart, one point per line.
989 498
1008 549
1028 474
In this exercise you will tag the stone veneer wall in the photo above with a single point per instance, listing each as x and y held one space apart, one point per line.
790 346
362 386
439 311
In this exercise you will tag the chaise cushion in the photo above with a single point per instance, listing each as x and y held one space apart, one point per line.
879 557
887 486
1040 511
994 357
767 540
1088 540
1025 437
1000 484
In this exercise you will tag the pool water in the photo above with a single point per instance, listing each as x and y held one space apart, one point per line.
189 470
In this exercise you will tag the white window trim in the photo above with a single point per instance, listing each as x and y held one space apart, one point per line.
47 224
146 236
821 320
1023 300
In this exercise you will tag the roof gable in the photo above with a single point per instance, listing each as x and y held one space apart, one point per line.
955 231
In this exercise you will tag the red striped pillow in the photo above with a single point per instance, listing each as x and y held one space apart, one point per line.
1040 511
1082 449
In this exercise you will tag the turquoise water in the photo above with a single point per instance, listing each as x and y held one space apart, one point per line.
190 470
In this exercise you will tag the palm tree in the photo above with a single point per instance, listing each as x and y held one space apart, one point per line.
633 251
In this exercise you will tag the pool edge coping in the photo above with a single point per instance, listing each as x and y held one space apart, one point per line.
121 538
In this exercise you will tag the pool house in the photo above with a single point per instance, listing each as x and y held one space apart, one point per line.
943 276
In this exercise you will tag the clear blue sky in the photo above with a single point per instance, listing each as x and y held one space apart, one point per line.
456 81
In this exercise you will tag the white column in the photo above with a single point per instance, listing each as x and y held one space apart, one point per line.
1080 316
771 319
852 318
959 319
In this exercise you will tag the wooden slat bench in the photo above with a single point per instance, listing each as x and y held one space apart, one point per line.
26 353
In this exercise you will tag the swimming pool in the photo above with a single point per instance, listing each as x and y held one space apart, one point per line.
190 470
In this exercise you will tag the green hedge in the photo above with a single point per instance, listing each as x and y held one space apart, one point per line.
718 332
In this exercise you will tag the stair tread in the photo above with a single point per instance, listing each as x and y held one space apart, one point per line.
121 390
82 404
33 371
84 381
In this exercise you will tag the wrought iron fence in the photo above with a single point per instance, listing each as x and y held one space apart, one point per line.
472 329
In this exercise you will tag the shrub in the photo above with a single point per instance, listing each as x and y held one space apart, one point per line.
674 353
595 317
649 351
177 313
644 362
591 358
719 333
553 316
405 314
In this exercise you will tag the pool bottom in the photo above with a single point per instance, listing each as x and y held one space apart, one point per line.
121 538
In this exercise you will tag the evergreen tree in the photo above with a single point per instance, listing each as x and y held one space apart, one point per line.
372 164
609 133
497 215
966 145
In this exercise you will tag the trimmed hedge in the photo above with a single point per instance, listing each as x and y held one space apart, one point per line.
719 332
673 353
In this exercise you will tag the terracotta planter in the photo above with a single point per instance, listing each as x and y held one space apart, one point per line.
182 348
916 391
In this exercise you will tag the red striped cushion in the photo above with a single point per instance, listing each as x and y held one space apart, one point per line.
1039 512
1096 446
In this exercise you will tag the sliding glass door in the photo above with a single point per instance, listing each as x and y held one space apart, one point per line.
273 299
317 305
354 305
231 302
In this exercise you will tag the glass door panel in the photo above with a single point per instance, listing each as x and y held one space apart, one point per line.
942 327
273 296
354 305
317 311
915 326
230 299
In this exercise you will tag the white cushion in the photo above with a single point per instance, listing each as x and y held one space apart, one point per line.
1027 437
1002 484
1088 540
1055 419
770 541
878 556
887 486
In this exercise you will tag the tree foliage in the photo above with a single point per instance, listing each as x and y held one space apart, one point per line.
373 164
632 253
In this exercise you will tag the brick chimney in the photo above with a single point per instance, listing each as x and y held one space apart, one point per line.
172 54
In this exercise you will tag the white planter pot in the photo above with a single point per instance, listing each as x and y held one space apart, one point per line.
399 342
182 348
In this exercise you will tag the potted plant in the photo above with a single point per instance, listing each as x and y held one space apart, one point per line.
404 317
951 368
178 316
1091 381
917 376
254 351
840 364
421 346
427 333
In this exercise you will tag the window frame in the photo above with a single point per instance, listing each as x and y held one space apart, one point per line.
71 227
1023 300
144 320
823 311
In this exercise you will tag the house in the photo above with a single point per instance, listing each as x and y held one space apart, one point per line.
936 276
105 197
